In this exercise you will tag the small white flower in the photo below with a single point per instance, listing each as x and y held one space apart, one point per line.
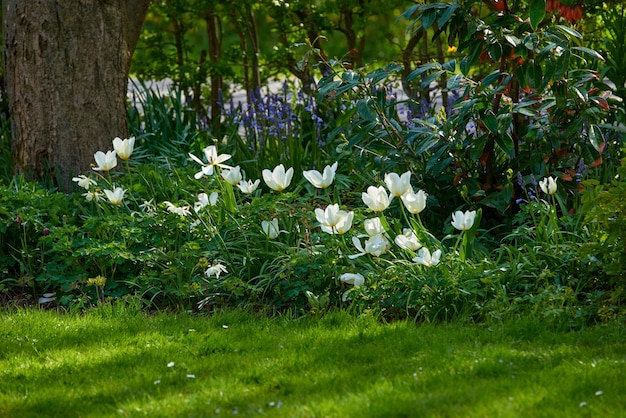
248 187
214 160
376 198
91 196
84 181
179 210
408 240
124 147
424 257
271 228
376 246
105 162
373 227
205 200
333 220
398 185
463 220
148 206
548 185
116 196
355 279
171 364
278 179
215 270
321 180
233 175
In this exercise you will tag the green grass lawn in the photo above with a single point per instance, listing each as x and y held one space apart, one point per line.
113 361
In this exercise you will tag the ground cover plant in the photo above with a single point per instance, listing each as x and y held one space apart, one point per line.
347 196
116 360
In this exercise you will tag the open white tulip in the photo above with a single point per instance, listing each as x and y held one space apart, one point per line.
424 257
124 147
355 279
414 202
278 179
247 186
333 220
376 198
408 240
463 220
376 246
321 180
214 160
116 196
105 162
373 227
548 185
398 185
232 176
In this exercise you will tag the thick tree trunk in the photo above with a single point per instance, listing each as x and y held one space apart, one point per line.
66 69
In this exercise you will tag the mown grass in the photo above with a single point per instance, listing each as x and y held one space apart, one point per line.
114 361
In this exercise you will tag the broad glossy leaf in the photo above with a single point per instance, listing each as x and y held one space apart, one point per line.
365 110
430 78
428 18
596 137
531 41
569 31
592 53
454 82
449 66
513 40
422 69
490 78
446 15
537 12
491 123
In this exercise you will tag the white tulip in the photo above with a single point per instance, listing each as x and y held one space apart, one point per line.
278 179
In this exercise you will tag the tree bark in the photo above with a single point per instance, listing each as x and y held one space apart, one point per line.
66 66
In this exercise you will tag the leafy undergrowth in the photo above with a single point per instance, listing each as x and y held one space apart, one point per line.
117 361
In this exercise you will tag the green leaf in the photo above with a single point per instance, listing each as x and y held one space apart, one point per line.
430 78
505 142
531 41
366 111
534 76
454 82
446 15
428 18
596 137
569 31
490 78
592 53
537 12
422 69
491 123
449 66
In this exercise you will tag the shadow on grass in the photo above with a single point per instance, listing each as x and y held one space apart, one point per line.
334 366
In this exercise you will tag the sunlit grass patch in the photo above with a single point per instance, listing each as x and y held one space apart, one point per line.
117 362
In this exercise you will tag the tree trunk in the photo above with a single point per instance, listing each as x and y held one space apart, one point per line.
66 66
214 35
